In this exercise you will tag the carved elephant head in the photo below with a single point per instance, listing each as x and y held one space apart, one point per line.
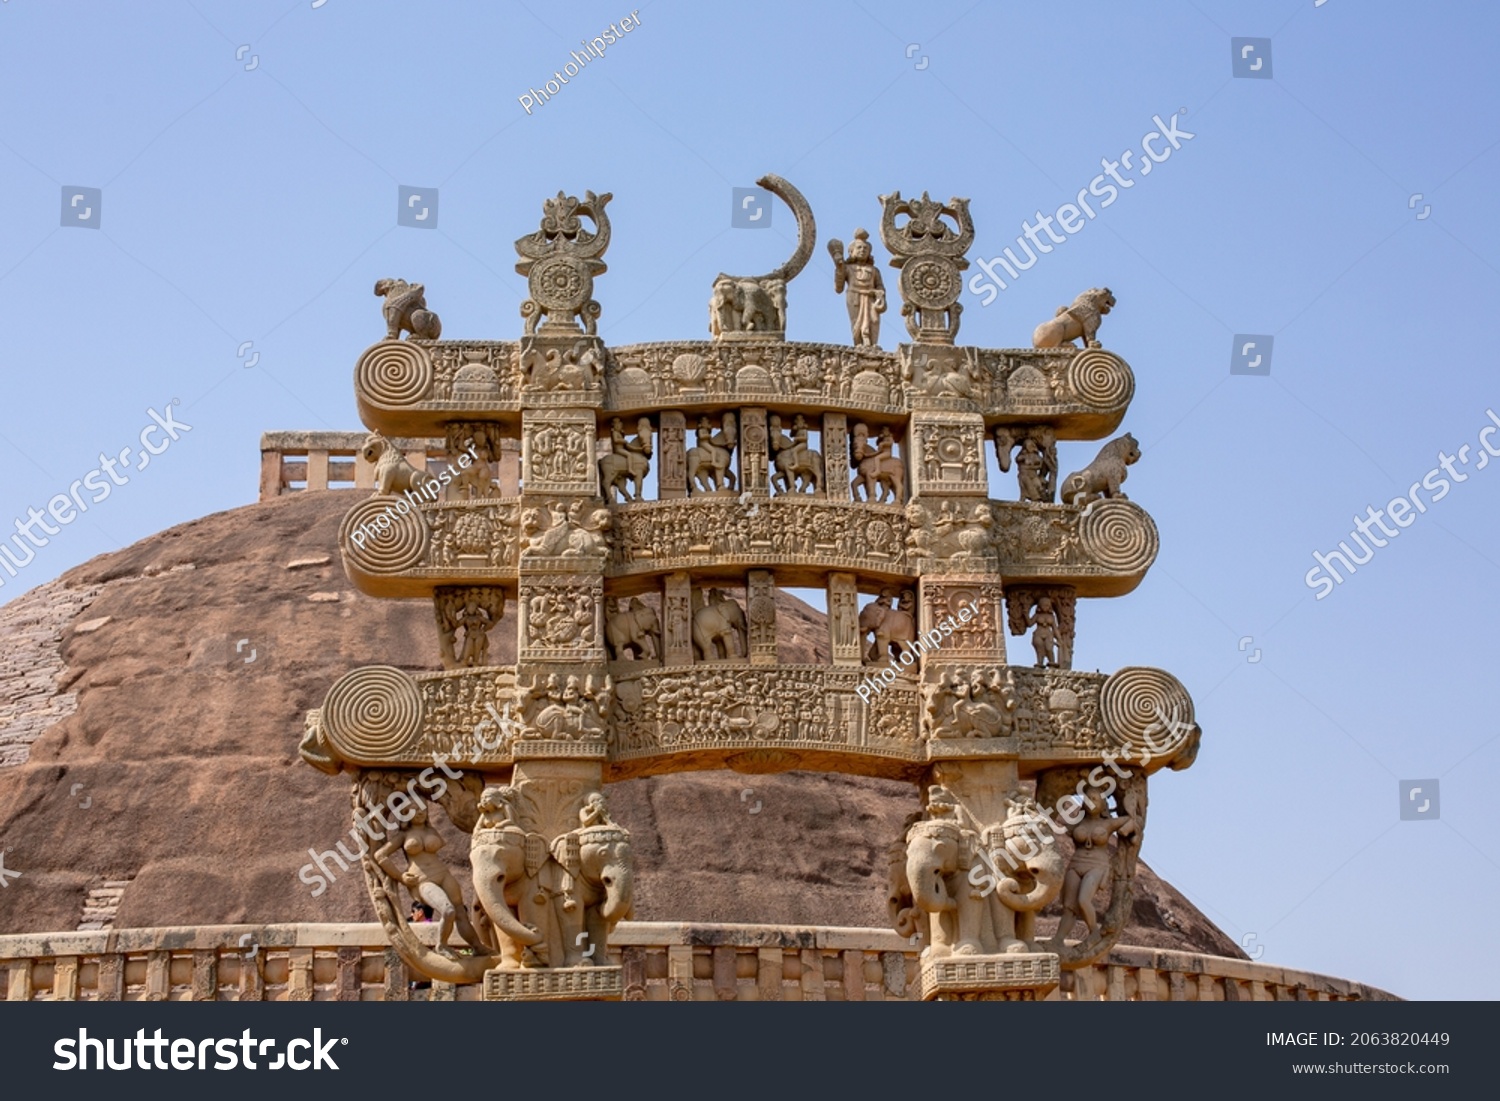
498 857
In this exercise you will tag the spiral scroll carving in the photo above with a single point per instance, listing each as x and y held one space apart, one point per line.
372 713
394 372
1147 711
1100 379
1118 536
391 542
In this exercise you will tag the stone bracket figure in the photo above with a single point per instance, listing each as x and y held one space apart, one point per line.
894 629
622 473
1036 462
474 610
720 632
406 310
858 279
629 630
1049 612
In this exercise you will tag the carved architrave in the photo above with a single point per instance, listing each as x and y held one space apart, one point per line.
760 592
843 620
562 618
948 454
971 609
557 452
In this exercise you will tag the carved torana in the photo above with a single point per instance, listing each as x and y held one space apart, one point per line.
633 514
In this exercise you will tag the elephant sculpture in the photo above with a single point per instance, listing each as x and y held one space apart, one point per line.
545 902
498 857
972 911
892 627
747 306
719 630
628 630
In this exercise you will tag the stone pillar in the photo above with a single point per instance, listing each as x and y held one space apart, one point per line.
760 611
557 452
671 475
754 452
677 619
973 606
947 454
509 467
836 456
843 620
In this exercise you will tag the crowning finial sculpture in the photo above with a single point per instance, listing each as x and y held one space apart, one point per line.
753 307
646 636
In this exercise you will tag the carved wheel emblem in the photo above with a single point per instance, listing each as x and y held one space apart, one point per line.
930 284
559 283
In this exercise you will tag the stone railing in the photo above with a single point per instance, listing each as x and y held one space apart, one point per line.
663 961
293 461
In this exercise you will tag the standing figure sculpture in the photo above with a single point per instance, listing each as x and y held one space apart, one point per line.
1090 863
798 468
428 877
1044 637
858 279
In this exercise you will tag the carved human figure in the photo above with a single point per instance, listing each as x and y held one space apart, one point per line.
880 474
709 467
476 624
1090 862
427 877
623 471
798 468
858 279
1045 632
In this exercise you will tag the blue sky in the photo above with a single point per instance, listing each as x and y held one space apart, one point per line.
251 194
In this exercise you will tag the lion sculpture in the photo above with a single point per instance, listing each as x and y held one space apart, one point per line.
406 310
393 474
1081 319
1102 477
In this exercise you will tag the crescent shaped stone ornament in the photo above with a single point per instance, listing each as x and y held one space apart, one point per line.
753 307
